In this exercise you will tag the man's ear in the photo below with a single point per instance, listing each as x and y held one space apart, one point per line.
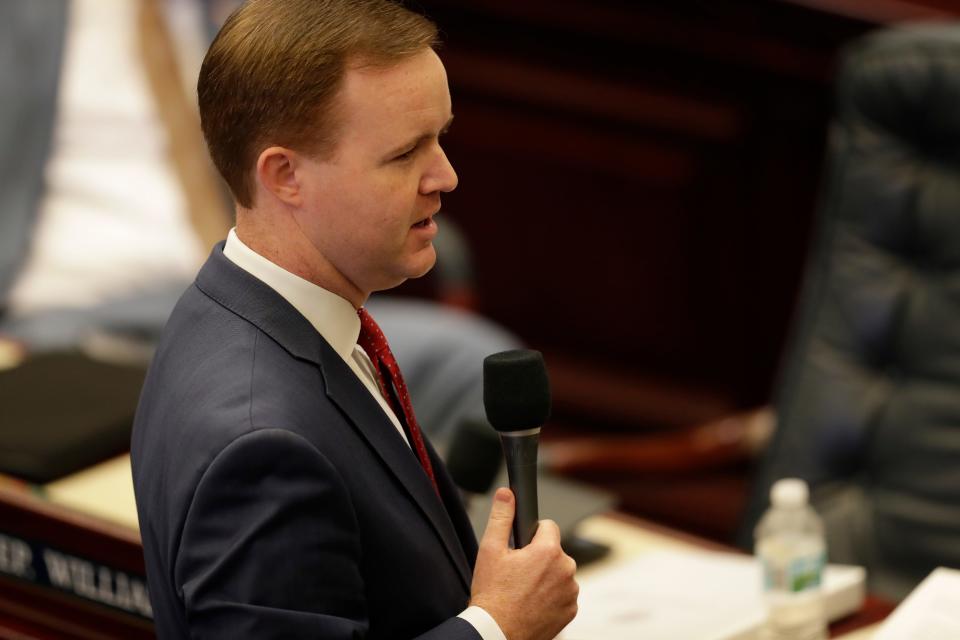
276 172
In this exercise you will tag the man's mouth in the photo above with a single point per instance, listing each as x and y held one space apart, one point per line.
423 224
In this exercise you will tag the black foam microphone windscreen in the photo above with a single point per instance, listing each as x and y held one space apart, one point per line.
474 457
516 390
516 396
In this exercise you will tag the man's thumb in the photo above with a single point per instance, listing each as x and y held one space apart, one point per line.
501 518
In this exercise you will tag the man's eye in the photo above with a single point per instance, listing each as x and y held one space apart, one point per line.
406 155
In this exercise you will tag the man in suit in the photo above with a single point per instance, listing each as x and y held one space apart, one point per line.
283 487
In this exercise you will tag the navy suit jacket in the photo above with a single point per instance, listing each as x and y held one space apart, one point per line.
276 500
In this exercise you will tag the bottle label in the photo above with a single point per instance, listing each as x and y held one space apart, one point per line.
800 573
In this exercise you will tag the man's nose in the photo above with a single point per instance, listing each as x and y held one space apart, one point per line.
440 176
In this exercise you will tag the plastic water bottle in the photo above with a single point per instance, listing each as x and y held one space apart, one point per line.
792 551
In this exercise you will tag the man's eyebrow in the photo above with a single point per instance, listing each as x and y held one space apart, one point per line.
416 141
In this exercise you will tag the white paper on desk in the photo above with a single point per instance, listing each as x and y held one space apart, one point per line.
930 612
694 595
665 595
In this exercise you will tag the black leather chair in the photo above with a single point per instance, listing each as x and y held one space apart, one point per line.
868 406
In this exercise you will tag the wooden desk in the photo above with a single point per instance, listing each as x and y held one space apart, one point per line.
90 517
67 574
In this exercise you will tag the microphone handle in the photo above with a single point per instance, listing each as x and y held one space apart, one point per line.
520 452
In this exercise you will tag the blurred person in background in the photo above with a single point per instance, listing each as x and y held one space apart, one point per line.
109 205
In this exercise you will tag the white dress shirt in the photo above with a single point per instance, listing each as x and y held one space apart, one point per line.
336 320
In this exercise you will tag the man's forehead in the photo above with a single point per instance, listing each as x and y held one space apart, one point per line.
408 98
412 85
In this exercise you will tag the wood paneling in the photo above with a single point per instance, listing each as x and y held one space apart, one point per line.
638 178
638 181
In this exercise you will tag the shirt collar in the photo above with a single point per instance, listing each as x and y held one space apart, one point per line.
332 316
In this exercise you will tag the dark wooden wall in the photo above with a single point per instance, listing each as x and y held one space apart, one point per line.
638 180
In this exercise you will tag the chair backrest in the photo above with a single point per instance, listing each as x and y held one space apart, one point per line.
868 404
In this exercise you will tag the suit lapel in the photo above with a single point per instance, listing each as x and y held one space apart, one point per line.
453 500
348 393
250 298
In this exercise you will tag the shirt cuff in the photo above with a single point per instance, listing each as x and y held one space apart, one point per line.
483 622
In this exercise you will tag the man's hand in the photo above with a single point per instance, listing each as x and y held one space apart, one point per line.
530 592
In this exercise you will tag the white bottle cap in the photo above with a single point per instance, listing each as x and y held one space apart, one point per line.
789 493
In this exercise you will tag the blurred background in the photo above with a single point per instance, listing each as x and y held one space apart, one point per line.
639 183
640 189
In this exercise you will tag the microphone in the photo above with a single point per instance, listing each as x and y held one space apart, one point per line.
516 396
474 458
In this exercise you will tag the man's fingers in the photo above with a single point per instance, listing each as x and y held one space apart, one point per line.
547 532
501 519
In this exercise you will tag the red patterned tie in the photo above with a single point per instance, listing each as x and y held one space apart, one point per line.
375 344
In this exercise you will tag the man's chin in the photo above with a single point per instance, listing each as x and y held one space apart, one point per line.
411 271
424 261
